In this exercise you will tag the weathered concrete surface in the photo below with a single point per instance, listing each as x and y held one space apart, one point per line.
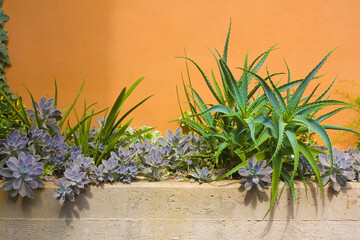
182 210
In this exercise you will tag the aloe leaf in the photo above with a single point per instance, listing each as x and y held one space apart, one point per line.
227 43
265 135
231 83
288 80
269 93
217 88
220 149
327 115
221 109
277 93
295 99
266 122
316 106
310 158
280 137
327 90
289 179
339 128
251 125
277 164
260 63
319 130
294 145
310 96
66 114
203 108
243 84
205 78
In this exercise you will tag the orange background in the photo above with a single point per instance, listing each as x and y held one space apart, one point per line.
116 42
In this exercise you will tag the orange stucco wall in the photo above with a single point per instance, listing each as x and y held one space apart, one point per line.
116 42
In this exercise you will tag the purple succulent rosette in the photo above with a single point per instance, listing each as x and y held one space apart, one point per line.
255 174
55 149
78 179
341 169
64 192
47 113
14 144
356 165
201 175
22 175
98 175
153 164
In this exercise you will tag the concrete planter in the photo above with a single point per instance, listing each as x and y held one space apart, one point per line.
182 210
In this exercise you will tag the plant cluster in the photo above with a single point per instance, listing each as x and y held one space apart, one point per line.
259 130
43 152
262 118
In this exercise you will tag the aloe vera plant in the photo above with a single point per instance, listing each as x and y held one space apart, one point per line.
262 120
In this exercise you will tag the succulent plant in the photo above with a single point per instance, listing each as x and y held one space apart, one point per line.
55 149
201 175
341 169
22 175
127 172
78 179
154 163
98 174
111 168
84 163
14 144
64 192
47 113
255 175
123 156
356 165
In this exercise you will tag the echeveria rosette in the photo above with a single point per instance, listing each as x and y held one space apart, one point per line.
84 163
22 175
111 168
55 149
201 175
47 113
122 155
98 174
255 175
64 192
14 144
127 172
341 169
78 179
154 163
356 165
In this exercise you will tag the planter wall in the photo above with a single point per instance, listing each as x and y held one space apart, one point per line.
182 210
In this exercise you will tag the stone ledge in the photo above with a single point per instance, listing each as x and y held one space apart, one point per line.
182 210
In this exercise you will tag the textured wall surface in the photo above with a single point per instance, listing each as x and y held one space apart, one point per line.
182 210
116 42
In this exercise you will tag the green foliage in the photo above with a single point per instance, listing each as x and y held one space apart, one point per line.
4 57
112 132
8 117
260 119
